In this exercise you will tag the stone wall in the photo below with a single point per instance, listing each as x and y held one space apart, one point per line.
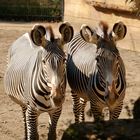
79 12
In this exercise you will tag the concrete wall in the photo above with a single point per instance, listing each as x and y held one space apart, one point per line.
79 12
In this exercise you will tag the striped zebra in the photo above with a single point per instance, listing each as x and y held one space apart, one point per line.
96 72
36 76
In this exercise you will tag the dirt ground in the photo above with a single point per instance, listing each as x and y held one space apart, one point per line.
11 126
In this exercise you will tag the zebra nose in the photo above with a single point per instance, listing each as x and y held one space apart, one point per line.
49 86
108 92
57 96
109 89
56 90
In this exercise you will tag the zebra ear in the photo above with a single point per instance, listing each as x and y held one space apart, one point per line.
88 34
37 34
119 31
66 31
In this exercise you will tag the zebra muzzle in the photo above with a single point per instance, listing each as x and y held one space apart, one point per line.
57 96
111 94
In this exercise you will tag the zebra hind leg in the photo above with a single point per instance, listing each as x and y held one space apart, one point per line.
31 121
24 108
82 111
76 106
54 116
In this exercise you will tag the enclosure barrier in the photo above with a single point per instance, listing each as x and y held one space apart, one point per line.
50 10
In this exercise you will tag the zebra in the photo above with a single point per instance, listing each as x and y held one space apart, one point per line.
36 76
96 71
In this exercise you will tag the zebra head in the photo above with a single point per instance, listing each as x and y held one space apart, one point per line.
109 65
53 72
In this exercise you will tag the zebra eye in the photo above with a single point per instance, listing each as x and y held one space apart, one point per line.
43 61
64 60
97 59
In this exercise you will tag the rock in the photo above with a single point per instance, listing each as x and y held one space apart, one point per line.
136 109
125 129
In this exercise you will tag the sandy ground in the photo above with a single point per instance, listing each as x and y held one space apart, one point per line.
11 126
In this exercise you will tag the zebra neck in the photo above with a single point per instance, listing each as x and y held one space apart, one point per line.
98 81
97 85
76 43
121 82
39 82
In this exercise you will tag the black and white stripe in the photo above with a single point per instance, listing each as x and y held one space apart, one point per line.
36 77
96 74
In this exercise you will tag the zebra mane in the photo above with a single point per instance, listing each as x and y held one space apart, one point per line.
49 33
104 27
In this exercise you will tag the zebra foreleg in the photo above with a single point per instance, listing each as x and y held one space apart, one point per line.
115 113
24 108
31 120
97 112
82 111
53 123
76 106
